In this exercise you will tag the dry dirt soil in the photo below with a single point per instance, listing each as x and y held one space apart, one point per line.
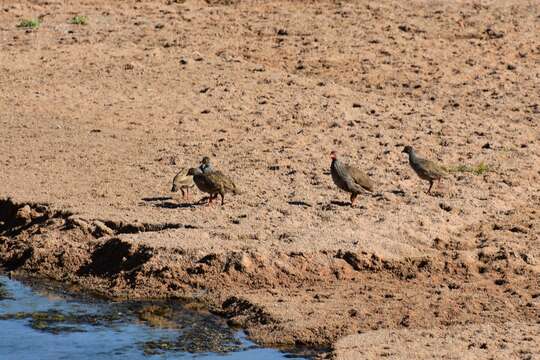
96 119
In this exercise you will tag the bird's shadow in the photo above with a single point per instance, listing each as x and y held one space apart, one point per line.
156 198
173 205
299 203
167 202
398 192
340 203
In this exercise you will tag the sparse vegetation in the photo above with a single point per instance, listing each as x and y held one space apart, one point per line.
79 20
29 24
478 169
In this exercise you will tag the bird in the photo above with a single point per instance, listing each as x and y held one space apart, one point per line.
214 183
206 165
182 181
425 169
349 179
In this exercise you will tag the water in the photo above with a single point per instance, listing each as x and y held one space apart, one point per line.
40 323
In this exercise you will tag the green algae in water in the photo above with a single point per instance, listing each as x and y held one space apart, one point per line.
137 330
4 293
201 338
197 334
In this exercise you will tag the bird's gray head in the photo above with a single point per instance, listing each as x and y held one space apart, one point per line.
205 160
194 171
408 150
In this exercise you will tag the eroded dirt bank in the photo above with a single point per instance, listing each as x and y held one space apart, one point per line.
96 119
281 298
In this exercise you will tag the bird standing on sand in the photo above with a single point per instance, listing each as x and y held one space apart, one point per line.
425 169
214 183
206 166
182 181
349 179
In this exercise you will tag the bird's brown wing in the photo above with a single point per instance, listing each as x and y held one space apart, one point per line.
220 180
432 169
360 178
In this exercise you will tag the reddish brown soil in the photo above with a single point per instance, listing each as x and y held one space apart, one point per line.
96 120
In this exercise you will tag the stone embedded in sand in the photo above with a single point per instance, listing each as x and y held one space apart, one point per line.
239 262
74 221
528 258
101 229
24 214
493 34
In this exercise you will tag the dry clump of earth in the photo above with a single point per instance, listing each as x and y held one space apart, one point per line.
97 118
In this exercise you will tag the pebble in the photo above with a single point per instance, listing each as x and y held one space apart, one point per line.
24 214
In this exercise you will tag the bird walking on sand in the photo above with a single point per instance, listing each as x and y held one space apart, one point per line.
206 165
214 183
183 182
349 179
425 169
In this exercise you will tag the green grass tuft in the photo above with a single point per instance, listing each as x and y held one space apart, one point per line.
79 20
29 24
478 169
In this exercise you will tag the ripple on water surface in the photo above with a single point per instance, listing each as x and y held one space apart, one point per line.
37 323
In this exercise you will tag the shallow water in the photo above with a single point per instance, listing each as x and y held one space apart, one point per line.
40 323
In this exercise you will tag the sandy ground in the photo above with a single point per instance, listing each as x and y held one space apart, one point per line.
96 119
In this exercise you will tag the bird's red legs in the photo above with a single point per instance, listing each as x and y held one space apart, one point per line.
353 199
430 185
212 197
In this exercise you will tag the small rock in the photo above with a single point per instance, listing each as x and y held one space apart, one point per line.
235 322
486 146
74 221
511 67
445 207
24 214
492 34
405 321
183 61
404 28
101 229
282 32
239 262
528 258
